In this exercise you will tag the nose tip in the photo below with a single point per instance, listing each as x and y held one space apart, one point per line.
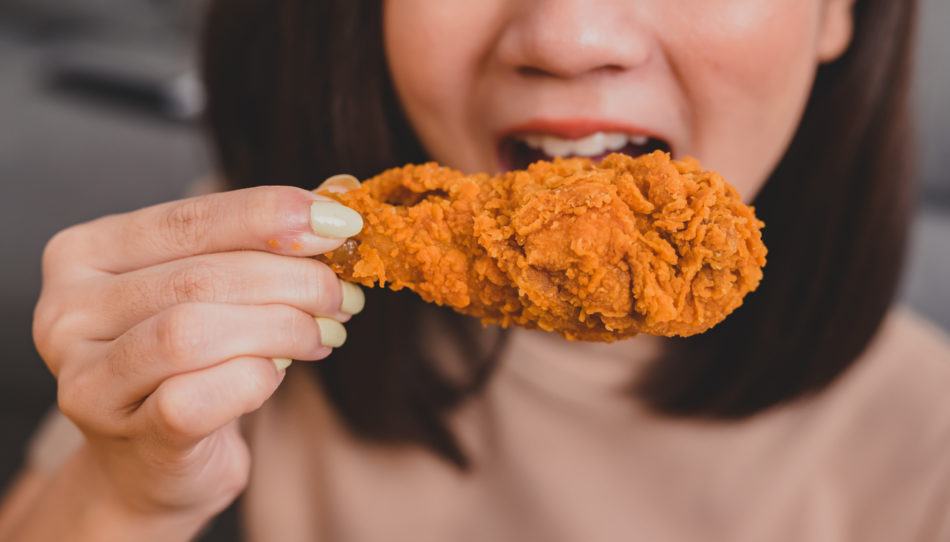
568 39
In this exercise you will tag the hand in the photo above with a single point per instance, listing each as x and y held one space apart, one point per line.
163 326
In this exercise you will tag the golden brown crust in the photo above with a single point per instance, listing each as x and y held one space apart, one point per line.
595 252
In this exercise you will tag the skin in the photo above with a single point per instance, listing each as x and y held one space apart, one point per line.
160 327
160 324
725 82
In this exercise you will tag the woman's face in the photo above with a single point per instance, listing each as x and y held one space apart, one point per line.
493 85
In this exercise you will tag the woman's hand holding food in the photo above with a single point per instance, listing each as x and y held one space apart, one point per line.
165 325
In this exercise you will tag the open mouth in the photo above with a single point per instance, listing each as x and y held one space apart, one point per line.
517 151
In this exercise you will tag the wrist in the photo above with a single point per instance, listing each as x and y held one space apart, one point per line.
80 504
112 513
108 519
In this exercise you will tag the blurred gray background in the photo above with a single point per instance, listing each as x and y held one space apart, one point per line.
97 116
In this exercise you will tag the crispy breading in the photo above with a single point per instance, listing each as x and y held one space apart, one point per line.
594 252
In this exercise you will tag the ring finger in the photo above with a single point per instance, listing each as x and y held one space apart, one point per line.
194 336
241 278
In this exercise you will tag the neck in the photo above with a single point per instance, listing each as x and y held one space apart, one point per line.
598 364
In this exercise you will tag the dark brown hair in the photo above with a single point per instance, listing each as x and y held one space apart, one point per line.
298 90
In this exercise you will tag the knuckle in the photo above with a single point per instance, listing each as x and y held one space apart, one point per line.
61 244
279 205
173 413
196 282
54 329
256 386
180 333
188 222
125 356
44 322
237 475
323 286
70 400
300 330
76 399
308 280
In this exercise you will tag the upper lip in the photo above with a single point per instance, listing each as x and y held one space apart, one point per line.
574 128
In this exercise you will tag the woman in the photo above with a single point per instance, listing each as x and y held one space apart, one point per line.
813 413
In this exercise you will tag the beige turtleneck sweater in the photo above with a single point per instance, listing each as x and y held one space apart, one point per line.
562 453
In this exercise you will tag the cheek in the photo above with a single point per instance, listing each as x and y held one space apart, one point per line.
747 70
434 50
423 65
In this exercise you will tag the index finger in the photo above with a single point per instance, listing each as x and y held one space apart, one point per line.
280 219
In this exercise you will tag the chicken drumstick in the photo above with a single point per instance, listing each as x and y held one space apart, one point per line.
594 252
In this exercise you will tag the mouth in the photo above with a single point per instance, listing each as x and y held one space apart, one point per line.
519 150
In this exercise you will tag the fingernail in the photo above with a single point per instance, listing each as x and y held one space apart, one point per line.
331 219
332 333
339 183
353 298
282 364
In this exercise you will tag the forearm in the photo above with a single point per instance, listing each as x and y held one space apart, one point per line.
77 505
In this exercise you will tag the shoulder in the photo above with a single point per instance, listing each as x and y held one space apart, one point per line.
905 371
905 328
890 412
874 446
892 408
913 353
900 383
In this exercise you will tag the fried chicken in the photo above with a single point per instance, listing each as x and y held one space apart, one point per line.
594 252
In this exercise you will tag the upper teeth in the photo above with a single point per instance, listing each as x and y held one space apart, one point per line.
592 145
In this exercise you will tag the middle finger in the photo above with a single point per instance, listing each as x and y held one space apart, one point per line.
245 278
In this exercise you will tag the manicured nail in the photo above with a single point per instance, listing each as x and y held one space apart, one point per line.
353 298
282 364
331 219
332 333
339 183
